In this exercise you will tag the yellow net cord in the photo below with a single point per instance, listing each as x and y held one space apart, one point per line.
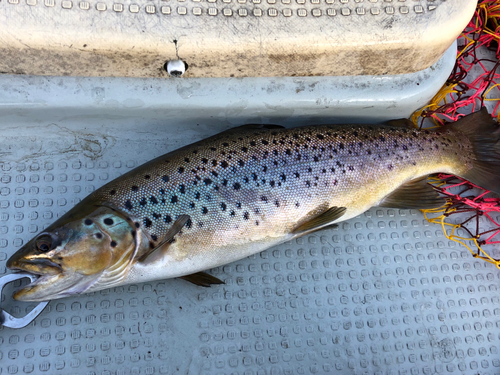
482 32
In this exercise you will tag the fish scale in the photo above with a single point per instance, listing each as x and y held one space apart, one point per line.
243 191
250 178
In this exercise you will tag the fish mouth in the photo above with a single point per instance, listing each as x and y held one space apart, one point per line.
36 266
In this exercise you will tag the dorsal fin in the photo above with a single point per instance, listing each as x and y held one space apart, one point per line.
320 221
401 123
169 236
416 194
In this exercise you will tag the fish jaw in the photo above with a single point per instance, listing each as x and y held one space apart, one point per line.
49 287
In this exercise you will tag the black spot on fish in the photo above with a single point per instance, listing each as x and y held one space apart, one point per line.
137 225
98 235
236 186
162 191
215 174
134 188
147 222
225 144
223 206
147 177
204 210
297 204
320 136
182 189
156 216
181 170
197 195
246 216
164 178
263 198
264 142
224 164
272 183
283 177
264 168
88 222
241 163
143 202
214 163
153 200
108 221
128 204
309 170
277 203
167 219
316 159
204 160
113 244
189 223
308 183
382 138
252 143
174 199
341 146
288 151
207 181
369 152
192 205
186 160
213 149
224 182
112 192
244 149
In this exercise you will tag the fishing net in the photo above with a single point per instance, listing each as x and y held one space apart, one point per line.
471 216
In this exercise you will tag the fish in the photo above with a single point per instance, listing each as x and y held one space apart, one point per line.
245 190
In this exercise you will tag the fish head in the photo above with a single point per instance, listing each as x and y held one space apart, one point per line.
74 253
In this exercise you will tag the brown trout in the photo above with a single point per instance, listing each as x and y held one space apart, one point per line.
242 191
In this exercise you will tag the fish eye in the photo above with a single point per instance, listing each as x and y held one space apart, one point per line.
44 243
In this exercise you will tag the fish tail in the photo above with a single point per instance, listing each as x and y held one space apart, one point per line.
484 134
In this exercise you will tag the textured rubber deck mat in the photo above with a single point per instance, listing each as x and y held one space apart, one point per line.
384 293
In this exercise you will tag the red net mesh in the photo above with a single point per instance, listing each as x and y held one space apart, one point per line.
471 215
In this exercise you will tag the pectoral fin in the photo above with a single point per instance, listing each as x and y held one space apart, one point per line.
320 221
416 194
202 279
169 236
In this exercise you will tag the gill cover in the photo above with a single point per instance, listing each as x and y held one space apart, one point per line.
78 252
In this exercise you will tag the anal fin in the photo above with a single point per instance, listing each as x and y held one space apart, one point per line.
202 279
416 194
320 221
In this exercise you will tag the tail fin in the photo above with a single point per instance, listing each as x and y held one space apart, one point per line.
484 134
